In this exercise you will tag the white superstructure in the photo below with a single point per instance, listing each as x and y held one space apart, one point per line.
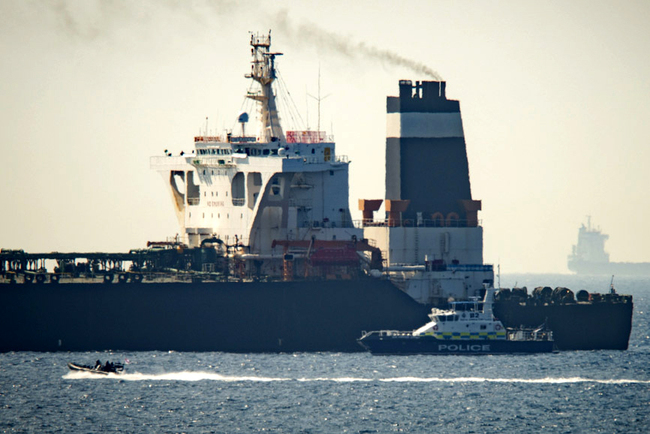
432 264
278 200
249 191
468 320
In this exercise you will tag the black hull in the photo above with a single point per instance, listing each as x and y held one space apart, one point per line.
576 326
401 345
81 368
256 317
84 368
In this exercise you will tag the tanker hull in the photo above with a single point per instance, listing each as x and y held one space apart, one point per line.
601 325
257 316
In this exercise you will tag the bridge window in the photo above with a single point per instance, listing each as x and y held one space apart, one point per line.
238 188
193 190
253 186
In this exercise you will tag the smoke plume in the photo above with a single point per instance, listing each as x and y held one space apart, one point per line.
312 34
101 17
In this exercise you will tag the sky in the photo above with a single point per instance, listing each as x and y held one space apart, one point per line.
554 95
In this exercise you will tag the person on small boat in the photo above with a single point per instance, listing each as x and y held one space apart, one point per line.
98 365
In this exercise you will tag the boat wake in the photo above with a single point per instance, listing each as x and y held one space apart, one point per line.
515 380
210 376
170 376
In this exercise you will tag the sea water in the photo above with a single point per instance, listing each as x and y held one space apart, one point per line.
573 391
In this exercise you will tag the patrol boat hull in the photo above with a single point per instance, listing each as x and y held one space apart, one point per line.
409 344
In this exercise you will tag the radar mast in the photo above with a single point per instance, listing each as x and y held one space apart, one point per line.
263 72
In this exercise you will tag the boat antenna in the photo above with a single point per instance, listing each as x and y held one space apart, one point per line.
307 106
319 99
499 276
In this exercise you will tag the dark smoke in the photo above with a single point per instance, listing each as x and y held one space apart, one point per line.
311 34
109 14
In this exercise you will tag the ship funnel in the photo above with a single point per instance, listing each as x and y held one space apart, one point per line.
426 157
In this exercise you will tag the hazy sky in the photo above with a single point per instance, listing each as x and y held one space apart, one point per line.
555 100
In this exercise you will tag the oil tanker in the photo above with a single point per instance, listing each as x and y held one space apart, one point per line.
270 259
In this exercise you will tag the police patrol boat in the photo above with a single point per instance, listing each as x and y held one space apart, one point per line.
468 327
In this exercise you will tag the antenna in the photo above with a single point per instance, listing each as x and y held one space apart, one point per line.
499 276
319 99
307 106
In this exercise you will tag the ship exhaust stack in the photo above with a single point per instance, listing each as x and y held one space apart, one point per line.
426 158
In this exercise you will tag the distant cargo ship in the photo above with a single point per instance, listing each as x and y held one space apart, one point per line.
589 256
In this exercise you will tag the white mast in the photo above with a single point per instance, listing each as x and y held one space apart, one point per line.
263 72
319 99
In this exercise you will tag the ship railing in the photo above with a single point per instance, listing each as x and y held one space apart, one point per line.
258 39
410 223
470 267
530 335
225 161
357 224
308 137
193 200
386 333
312 160
321 160
325 224
238 201
218 139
